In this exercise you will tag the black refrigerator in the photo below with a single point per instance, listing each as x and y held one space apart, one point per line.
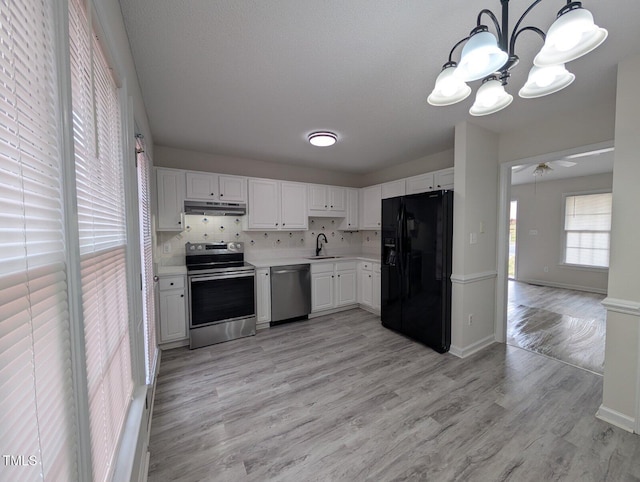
417 232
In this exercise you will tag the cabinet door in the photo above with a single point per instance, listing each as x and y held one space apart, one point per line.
350 221
263 295
322 291
376 288
202 185
371 207
318 198
421 183
171 187
346 288
392 189
366 283
444 179
263 207
232 188
173 316
337 199
293 206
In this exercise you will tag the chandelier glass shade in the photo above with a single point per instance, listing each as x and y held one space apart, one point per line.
491 58
449 88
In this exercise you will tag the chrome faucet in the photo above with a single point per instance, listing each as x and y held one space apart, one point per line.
318 245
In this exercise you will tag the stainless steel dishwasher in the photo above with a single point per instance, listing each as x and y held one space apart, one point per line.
290 292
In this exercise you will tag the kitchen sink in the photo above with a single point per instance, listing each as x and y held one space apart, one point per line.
323 257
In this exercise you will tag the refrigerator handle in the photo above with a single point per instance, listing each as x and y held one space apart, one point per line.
400 241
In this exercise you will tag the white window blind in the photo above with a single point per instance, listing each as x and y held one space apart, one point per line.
37 440
587 227
146 248
101 220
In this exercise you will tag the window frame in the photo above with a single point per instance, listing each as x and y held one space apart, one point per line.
563 232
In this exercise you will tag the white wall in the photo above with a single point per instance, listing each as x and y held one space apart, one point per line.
540 208
621 397
474 214
200 161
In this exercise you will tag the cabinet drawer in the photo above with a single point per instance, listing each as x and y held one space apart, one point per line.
321 268
346 266
171 283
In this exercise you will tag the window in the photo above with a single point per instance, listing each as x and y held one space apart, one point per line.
587 226
102 235
37 403
146 253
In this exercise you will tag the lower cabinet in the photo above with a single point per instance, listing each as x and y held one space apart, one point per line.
333 285
369 283
263 297
173 308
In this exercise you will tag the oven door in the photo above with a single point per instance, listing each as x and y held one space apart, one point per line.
219 297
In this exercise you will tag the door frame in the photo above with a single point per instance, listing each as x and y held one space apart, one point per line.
504 200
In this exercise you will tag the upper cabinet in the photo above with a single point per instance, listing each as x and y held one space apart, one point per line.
216 187
171 192
393 189
327 200
350 221
433 181
277 205
370 207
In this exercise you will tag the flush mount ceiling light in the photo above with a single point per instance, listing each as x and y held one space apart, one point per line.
323 139
491 58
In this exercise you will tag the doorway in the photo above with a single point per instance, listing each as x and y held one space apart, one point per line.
536 312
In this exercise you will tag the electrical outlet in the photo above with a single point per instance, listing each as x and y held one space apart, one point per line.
546 269
166 248
473 238
470 319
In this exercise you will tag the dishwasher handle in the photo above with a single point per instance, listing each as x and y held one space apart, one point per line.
284 271
290 269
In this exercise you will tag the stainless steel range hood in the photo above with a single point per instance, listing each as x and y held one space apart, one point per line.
214 208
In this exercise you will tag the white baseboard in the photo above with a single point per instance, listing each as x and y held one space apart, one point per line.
473 348
369 309
552 284
616 418
144 469
331 311
174 344
263 326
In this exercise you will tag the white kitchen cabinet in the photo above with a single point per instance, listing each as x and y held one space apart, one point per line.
370 207
333 285
263 296
369 285
263 210
293 206
327 200
421 183
350 221
346 284
322 281
232 188
277 205
202 185
173 308
392 189
170 185
377 286
443 179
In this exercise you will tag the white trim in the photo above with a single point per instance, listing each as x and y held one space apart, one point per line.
618 305
616 418
637 428
263 326
373 311
143 476
173 344
331 311
132 439
473 348
463 279
565 286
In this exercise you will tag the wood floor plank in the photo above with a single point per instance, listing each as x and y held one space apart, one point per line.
341 398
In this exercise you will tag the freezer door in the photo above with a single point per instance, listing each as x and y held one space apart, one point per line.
391 280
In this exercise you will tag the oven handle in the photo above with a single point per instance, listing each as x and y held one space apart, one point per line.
211 277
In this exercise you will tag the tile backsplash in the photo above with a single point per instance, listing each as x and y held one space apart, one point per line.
264 244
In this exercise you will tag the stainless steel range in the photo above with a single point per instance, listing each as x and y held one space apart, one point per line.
221 293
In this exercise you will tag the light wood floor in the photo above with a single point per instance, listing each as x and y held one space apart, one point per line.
564 324
340 398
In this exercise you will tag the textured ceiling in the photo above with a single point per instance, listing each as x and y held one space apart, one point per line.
252 78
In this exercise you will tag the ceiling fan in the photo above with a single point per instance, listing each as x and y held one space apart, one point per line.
543 167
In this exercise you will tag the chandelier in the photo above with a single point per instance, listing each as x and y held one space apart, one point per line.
572 35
